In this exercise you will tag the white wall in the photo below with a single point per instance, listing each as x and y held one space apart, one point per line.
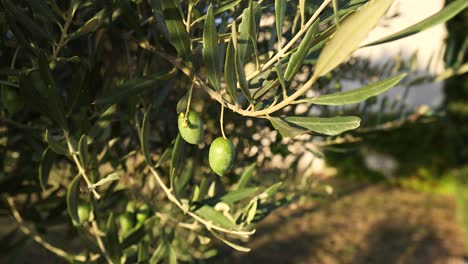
429 43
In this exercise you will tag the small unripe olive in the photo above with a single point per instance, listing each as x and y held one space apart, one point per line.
191 129
11 99
127 222
83 212
221 155
142 213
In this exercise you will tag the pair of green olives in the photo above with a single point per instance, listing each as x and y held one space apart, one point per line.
221 155
133 216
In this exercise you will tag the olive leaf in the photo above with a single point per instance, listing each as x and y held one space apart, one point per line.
357 95
177 34
347 38
210 50
73 194
331 126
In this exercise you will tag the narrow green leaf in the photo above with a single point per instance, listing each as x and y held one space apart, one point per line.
24 20
442 16
90 26
357 95
280 74
280 11
57 147
172 255
240 73
184 178
100 130
297 58
248 32
302 12
177 34
143 252
83 150
237 195
246 176
177 159
54 102
114 176
252 211
229 243
219 10
145 128
47 159
285 129
134 87
331 126
73 195
210 50
230 76
270 191
164 157
217 218
347 38
161 252
112 240
326 125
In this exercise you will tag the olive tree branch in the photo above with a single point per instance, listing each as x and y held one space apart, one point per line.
208 224
38 239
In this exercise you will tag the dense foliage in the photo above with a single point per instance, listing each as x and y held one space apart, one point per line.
109 108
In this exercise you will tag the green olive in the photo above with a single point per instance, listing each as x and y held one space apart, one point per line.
127 222
221 155
143 213
191 129
11 99
83 212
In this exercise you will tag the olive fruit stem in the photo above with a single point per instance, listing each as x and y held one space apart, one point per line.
189 101
221 120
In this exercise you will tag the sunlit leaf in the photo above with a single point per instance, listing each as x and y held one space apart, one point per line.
297 58
246 176
220 10
347 38
175 26
331 126
280 11
210 50
217 218
229 243
442 16
357 95
230 76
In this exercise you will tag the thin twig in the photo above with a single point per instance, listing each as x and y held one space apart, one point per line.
208 224
57 251
81 170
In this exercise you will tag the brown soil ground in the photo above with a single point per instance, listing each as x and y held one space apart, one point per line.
370 224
